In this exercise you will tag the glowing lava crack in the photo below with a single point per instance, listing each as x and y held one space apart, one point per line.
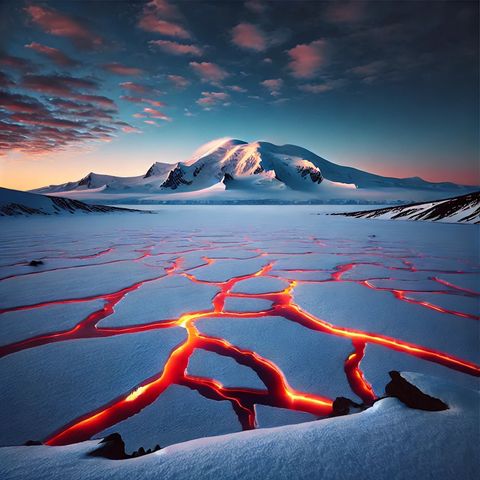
277 391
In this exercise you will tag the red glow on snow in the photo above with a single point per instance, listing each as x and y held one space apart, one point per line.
277 392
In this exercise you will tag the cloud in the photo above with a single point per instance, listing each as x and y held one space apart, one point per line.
236 88
5 80
17 63
306 59
159 16
176 48
316 87
98 99
59 24
345 12
138 88
369 72
209 72
127 128
35 127
57 84
66 86
178 81
154 103
274 85
249 37
152 112
57 56
212 99
20 103
256 6
120 69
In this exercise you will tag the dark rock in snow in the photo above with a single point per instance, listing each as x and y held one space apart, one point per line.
35 263
31 443
341 406
411 395
112 447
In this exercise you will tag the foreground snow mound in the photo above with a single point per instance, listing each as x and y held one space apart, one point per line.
463 209
388 440
259 171
14 202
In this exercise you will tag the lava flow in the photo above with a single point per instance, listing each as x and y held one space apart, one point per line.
277 392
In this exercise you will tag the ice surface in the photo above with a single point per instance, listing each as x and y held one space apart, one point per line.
179 414
230 373
46 387
291 347
23 324
185 248
159 300
354 306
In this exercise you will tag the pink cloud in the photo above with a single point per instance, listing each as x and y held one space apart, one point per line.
177 48
16 63
59 24
178 81
164 8
157 16
273 85
152 112
130 129
151 122
98 99
53 53
211 99
154 103
120 69
209 72
306 59
249 36
137 87
236 88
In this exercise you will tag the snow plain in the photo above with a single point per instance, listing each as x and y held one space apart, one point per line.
121 301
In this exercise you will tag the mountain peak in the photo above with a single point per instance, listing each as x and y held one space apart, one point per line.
159 168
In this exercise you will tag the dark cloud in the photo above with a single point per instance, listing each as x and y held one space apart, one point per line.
60 24
16 63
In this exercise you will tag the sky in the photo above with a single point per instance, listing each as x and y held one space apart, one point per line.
112 86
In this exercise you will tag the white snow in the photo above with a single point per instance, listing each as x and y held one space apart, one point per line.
46 387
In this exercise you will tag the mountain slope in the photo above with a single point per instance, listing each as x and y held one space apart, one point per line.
14 202
463 209
258 170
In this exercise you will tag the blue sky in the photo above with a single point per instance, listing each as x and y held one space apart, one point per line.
111 87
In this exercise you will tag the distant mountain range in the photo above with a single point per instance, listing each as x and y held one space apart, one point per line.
236 171
462 209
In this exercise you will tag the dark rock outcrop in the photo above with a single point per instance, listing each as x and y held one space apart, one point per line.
411 395
113 448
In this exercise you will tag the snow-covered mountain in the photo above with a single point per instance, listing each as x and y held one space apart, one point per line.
463 209
234 170
14 203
